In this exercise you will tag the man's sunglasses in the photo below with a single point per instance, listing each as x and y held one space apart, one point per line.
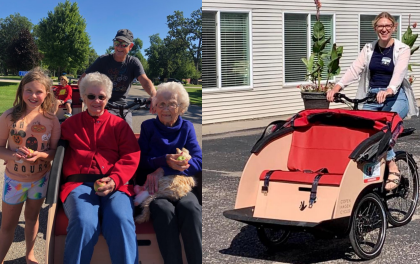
122 44
93 97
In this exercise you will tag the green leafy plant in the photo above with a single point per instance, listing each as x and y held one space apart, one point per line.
409 38
317 62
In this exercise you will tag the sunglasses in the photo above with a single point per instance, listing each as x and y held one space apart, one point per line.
62 79
122 44
93 97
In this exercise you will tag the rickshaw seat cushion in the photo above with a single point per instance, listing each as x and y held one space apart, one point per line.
322 146
61 223
330 179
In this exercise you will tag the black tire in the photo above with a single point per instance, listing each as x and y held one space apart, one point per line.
402 202
368 217
272 238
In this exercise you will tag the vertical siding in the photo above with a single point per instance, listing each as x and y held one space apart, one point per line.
269 97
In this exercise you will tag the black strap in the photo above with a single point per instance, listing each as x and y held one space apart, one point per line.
84 177
264 189
312 197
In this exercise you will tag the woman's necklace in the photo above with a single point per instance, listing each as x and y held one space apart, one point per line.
381 51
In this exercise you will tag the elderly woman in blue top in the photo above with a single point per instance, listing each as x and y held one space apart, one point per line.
158 141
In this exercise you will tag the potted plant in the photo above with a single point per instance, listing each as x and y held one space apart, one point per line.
409 39
314 94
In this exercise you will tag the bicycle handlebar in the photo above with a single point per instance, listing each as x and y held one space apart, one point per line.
137 101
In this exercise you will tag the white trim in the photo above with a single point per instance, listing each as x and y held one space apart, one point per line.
309 40
218 50
226 89
251 64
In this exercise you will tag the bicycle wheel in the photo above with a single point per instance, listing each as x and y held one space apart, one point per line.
402 201
368 227
272 238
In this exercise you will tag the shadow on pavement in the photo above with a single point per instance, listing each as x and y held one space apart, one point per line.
20 232
300 248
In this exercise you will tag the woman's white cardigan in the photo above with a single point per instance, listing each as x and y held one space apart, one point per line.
359 71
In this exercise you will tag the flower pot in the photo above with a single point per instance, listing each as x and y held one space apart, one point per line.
315 100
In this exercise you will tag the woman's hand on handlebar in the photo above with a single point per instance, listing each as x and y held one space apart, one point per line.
332 92
382 95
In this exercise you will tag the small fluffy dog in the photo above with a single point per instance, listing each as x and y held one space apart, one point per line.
172 187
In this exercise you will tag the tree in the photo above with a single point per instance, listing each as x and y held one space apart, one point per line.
185 32
9 29
156 57
22 52
63 39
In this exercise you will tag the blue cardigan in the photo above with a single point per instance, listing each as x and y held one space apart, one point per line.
156 140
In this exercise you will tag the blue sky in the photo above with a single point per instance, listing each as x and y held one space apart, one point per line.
104 17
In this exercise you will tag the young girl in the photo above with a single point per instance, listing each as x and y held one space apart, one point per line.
29 134
64 96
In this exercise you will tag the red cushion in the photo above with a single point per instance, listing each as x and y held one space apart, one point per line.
302 177
320 146
61 223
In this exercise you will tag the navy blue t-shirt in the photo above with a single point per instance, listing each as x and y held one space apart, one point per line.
381 67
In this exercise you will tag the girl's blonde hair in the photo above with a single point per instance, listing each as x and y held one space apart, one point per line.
384 15
19 106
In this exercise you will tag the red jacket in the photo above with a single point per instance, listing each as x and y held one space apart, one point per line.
64 93
109 139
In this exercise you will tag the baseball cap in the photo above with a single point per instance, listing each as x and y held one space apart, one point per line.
125 34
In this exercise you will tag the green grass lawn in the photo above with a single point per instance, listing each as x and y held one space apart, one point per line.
195 95
7 95
10 77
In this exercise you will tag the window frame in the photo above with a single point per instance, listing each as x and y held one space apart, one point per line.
308 44
219 87
375 14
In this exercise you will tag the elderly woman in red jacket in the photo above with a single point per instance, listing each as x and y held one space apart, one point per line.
101 146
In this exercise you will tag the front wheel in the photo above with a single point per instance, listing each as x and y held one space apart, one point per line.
368 227
272 238
402 202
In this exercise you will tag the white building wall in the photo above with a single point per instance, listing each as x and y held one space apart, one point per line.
268 96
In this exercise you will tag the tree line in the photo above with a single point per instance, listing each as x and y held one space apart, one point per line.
60 43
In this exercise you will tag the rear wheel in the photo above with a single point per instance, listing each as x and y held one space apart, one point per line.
368 227
402 201
272 238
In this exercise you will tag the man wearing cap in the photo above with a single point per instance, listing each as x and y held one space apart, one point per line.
122 68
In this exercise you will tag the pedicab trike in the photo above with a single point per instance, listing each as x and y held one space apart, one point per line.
57 220
324 171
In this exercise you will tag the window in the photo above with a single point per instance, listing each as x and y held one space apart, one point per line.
226 50
368 34
298 43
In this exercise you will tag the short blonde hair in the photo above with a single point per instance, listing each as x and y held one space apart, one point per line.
174 88
96 78
65 78
384 15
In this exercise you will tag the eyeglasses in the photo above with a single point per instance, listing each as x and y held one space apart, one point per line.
93 97
122 44
170 105
387 27
62 79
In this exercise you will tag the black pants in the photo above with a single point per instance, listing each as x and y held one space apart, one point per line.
128 117
172 218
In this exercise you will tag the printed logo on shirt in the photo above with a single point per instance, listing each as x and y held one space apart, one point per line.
38 128
386 61
18 136
62 92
